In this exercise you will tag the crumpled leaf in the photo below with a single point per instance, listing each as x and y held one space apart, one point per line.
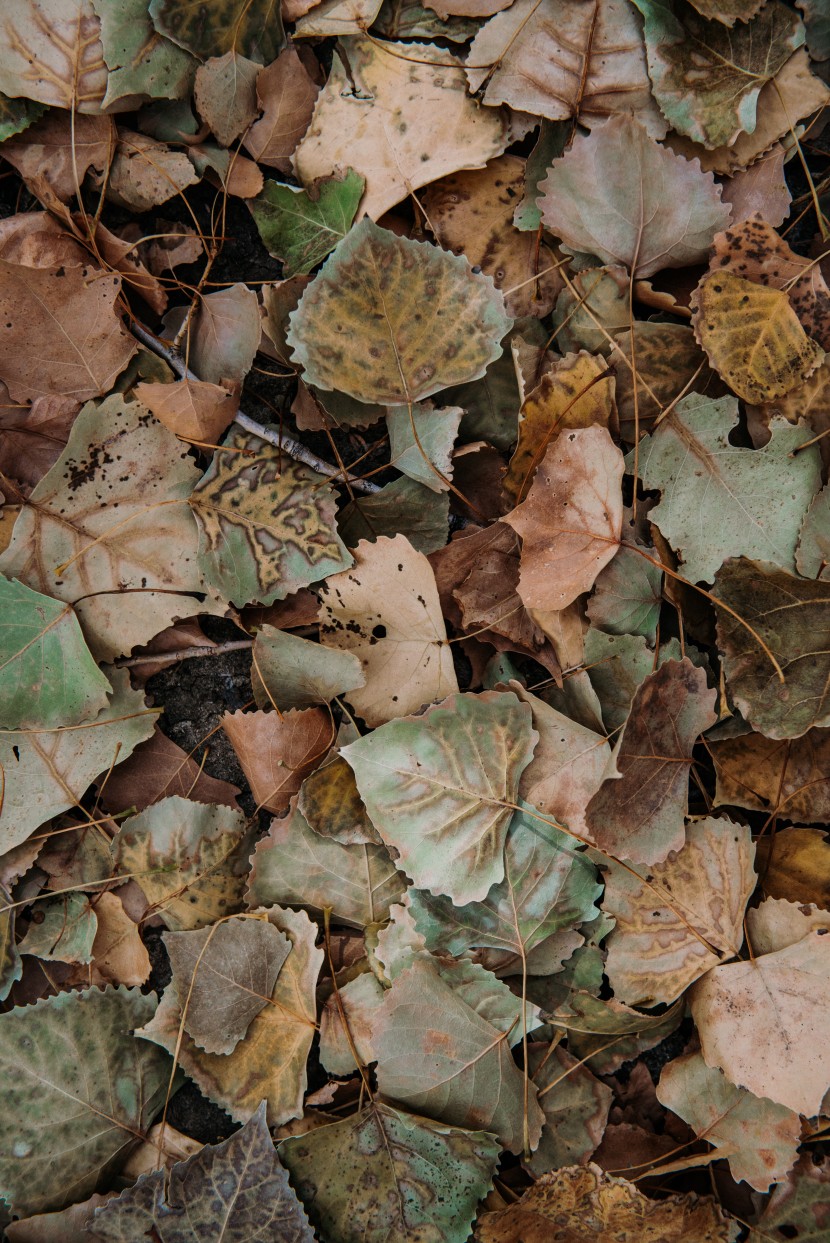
48 678
720 500
571 522
269 1063
439 788
426 321
575 1105
145 173
250 27
267 523
444 131
790 615
666 211
277 750
233 1192
301 227
385 1176
48 151
52 53
77 1090
227 973
639 815
485 564
683 917
385 610
763 1022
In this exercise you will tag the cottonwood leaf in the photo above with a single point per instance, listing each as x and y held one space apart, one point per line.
728 11
386 1176
291 672
639 814
628 595
791 616
184 857
286 94
67 930
776 923
48 677
425 319
301 227
438 1055
224 335
337 17
666 211
114 510
440 788
401 506
159 767
227 973
548 886
191 409
52 53
764 1022
581 1202
251 27
385 610
575 1105
293 865
141 63
589 314
408 19
813 553
566 60
760 189
11 964
669 362
421 441
571 522
267 524
233 1192
145 173
329 801
48 152
707 78
790 776
683 917
78 1090
720 500
277 750
752 336
795 864
45 772
398 119
118 952
269 1063
485 565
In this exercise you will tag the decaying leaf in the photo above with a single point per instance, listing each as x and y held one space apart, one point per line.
669 362
575 1104
250 27
795 864
277 750
789 777
192 409
286 94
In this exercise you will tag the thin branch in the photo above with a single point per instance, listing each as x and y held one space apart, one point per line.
188 653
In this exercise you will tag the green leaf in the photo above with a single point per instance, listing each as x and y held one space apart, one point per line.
46 772
16 115
65 932
267 523
211 27
142 64
421 441
424 319
547 886
383 1176
48 677
439 788
11 964
792 617
707 78
76 1092
301 227
627 594
401 507
722 501
290 672
617 665
233 1192
294 866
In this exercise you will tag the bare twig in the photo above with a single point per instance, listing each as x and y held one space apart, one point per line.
277 438
187 653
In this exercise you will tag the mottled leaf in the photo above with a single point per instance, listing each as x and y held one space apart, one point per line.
669 362
52 53
575 1105
141 63
211 27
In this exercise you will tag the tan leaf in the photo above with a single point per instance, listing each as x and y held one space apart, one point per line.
444 132
683 917
764 1022
62 149
123 256
53 53
225 95
776 923
571 522
192 409
472 212
386 610
467 8
277 750
37 240
74 310
752 337
286 94
145 173
760 188
578 391
118 953
338 17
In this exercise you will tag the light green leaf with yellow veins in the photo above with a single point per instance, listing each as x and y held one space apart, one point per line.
291 672
46 771
267 524
720 500
52 53
384 1176
142 64
707 78
293 865
184 856
66 931
440 788
421 441
269 1063
211 27
425 320
681 917
77 1091
48 677
301 226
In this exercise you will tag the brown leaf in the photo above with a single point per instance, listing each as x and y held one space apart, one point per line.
795 864
145 173
62 149
668 361
760 188
486 593
786 777
286 93
32 438
156 769
118 953
193 409
123 256
53 53
225 95
277 751
571 522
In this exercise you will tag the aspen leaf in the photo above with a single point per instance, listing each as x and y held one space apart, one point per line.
668 360
191 409
575 1105
286 93
301 227
777 923
250 27
53 54
290 672
142 64
277 750
768 773
795 864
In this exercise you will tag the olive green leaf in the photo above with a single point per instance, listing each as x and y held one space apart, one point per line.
267 523
300 226
384 1176
290 672
627 594
48 677
77 1090
142 64
401 507
792 617
424 319
17 115
211 27
242 1176
440 788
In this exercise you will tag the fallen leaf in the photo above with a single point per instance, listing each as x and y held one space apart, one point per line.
290 672
301 227
575 1105
403 505
191 409
798 1207
795 864
286 93
118 952
250 27
62 149
628 594
223 335
141 63
777 923
157 768
668 362
225 95
421 441
762 188
53 54
66 931
145 173
277 750
813 552
790 778
354 1008
486 568
338 17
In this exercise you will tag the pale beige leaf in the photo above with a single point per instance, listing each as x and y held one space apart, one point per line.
225 95
337 17
52 52
777 923
62 149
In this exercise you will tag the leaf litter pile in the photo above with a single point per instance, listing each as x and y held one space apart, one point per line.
498 466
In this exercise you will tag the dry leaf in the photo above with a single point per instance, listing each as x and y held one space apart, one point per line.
62 149
192 409
777 923
118 953
761 188
795 864
790 778
145 173
277 750
53 53
286 94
